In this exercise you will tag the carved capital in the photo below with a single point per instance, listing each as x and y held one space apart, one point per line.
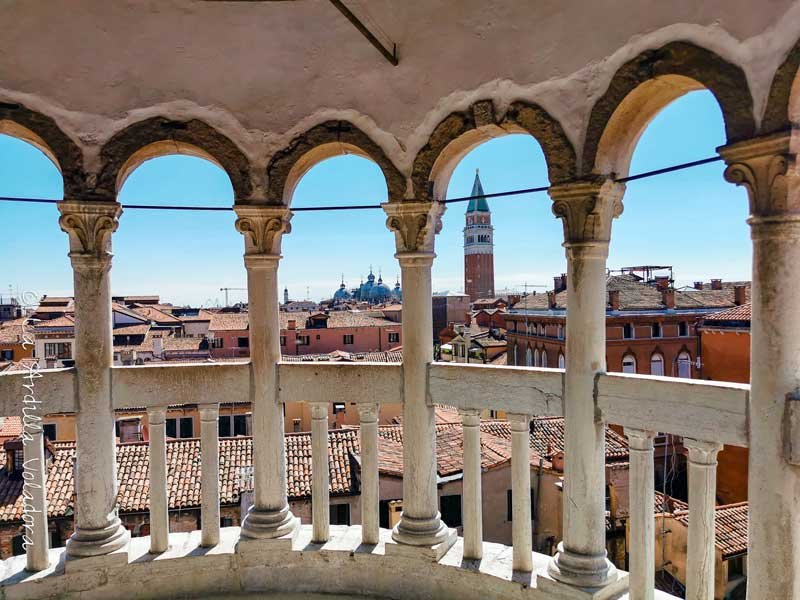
760 166
89 225
519 422
368 412
702 452
587 208
209 413
263 227
414 224
640 439
470 417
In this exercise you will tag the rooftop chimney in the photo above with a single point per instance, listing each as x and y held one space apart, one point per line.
668 297
292 324
557 283
698 285
716 284
662 282
551 300
739 295
613 299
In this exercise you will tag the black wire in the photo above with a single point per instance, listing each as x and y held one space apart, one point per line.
533 190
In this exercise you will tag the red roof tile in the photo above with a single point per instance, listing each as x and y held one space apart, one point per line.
730 525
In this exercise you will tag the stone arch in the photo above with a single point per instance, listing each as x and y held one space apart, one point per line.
649 82
159 136
777 116
461 131
326 140
42 132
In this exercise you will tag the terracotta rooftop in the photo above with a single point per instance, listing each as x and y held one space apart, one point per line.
11 427
737 313
730 525
157 316
11 332
342 356
62 322
336 318
228 322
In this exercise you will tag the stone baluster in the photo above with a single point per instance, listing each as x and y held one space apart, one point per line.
642 519
522 537
473 498
35 536
270 517
587 210
320 476
767 168
702 503
159 495
209 475
98 530
420 529
370 489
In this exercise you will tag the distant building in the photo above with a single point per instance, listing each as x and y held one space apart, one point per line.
478 245
448 307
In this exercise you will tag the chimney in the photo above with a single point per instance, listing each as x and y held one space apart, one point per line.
613 299
739 295
662 282
557 282
698 285
564 280
292 324
668 297
716 284
551 300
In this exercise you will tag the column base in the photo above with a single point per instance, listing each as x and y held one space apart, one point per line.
270 524
581 570
427 538
616 587
85 543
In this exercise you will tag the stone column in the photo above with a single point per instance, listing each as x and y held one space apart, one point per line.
98 530
521 492
370 489
320 476
420 529
586 210
472 495
270 517
642 520
209 475
766 167
34 490
159 495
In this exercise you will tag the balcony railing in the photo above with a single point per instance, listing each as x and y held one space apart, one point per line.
705 414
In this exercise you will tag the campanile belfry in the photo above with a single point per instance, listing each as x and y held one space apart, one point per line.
478 246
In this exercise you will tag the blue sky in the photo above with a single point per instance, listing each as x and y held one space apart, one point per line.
690 219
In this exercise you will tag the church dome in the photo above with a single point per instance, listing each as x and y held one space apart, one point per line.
397 293
380 292
341 294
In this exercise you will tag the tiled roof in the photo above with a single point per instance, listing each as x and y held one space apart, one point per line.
183 468
336 318
635 294
141 329
737 313
228 322
500 359
11 427
730 525
202 315
548 437
157 316
11 331
62 322
342 356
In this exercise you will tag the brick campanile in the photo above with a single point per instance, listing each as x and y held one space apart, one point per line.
478 246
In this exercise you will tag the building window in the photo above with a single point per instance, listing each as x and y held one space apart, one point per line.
655 330
629 364
50 431
59 350
736 566
450 507
528 358
338 407
683 329
394 337
180 427
544 358
561 332
657 365
562 363
303 340
6 355
225 522
536 359
243 342
283 340
685 365
17 547
129 430
216 342
627 331
347 340
234 425
339 514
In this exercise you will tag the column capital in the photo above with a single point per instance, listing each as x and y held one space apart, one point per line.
640 439
319 410
89 225
760 165
470 417
415 224
368 412
702 452
208 412
263 228
156 416
519 422
586 209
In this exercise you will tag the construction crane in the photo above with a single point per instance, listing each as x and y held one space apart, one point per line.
230 289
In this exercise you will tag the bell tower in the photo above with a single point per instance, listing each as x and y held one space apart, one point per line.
478 246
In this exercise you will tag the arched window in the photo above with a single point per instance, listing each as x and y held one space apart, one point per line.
544 358
528 358
562 362
685 365
629 363
657 364
536 359
542 329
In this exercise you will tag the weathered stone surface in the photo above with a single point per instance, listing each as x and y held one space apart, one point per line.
776 116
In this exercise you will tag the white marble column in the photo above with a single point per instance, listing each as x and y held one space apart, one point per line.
209 475
98 530
586 210
370 484
34 491
642 519
522 536
767 168
420 528
159 495
320 476
270 516
472 495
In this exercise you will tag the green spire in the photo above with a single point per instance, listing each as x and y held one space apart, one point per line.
478 204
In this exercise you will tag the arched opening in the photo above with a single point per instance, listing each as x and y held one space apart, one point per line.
629 363
528 357
544 357
684 365
657 364
537 358
562 362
